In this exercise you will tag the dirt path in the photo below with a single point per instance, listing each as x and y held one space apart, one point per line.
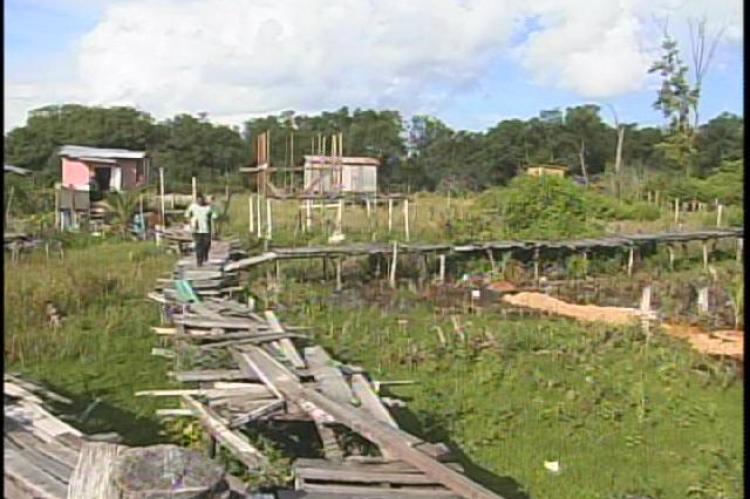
725 343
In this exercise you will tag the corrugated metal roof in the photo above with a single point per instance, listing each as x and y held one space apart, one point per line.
16 169
96 152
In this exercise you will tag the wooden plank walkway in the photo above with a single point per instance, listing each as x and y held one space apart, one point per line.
307 386
616 241
40 451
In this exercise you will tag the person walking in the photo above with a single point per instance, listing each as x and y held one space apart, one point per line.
201 216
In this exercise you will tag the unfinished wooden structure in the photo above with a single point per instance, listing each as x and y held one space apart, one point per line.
276 373
327 180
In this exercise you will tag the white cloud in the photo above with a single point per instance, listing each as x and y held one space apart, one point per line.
235 58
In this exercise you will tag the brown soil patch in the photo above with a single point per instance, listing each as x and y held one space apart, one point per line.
725 343
587 313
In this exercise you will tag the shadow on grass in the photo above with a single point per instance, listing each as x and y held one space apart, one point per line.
505 486
91 416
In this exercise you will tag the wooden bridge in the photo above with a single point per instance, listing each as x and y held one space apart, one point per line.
277 373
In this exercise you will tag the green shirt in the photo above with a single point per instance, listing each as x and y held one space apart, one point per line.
200 218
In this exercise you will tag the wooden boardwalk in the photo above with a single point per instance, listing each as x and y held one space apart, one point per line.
40 451
620 241
275 373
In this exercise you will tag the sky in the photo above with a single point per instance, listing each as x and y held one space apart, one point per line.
470 63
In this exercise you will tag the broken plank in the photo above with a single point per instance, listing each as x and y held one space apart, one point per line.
209 375
329 378
359 475
379 433
380 492
286 345
238 444
257 413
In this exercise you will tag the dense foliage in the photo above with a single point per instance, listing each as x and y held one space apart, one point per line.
422 153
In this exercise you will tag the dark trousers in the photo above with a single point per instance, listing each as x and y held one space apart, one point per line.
202 247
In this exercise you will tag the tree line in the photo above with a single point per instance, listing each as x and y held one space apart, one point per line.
422 153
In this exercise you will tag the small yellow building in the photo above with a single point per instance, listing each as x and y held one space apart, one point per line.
539 170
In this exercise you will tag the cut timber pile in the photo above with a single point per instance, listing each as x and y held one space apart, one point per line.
272 377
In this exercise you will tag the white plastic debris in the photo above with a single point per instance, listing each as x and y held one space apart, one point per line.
552 466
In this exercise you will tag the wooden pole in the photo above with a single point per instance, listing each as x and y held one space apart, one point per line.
308 214
393 265
250 215
441 273
739 249
57 207
705 255
338 274
143 221
677 210
670 248
259 225
406 218
195 190
340 216
703 300
646 310
390 215
631 259
161 191
719 210
269 218
536 266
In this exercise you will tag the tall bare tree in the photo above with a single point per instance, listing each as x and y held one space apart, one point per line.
702 49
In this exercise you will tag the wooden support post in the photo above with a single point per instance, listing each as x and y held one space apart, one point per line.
195 190
161 192
259 225
367 205
656 198
393 265
719 210
536 265
705 255
57 208
250 215
390 215
677 210
646 310
269 219
670 248
338 275
703 300
406 219
441 273
493 267
308 214
739 249
631 259
340 217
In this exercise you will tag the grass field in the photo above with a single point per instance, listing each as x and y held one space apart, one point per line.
102 351
621 414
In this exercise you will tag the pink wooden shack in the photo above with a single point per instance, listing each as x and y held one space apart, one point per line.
87 169
110 169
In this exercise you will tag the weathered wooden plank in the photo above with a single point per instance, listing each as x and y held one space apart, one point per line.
91 478
367 464
379 433
264 410
209 375
330 380
379 492
238 444
370 401
286 345
27 476
359 475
